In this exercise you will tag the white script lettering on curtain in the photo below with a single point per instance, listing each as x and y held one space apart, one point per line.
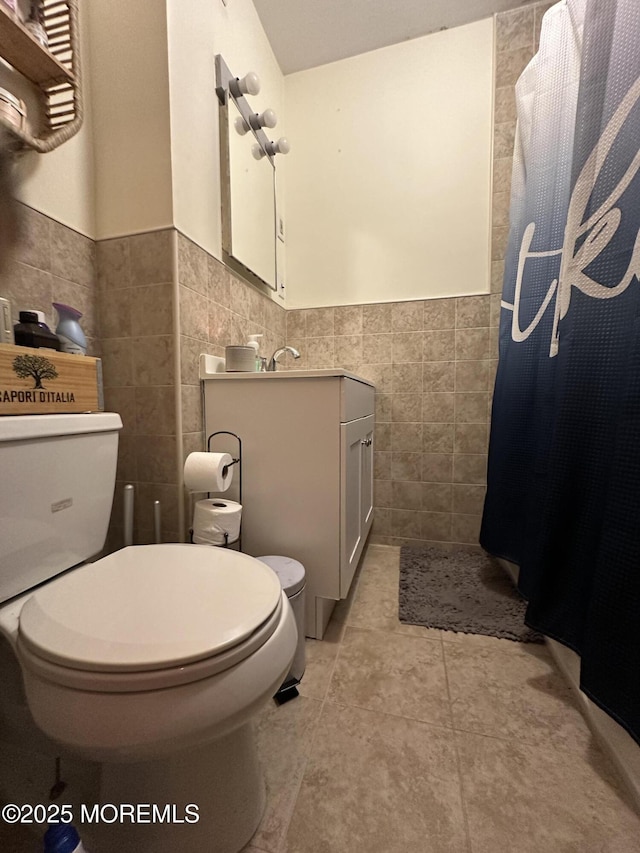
600 228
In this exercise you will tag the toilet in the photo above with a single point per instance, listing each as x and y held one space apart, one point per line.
152 661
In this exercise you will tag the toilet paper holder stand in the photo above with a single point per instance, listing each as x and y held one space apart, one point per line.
234 461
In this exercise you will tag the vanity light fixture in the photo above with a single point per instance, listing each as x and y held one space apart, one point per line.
241 126
282 146
247 85
266 119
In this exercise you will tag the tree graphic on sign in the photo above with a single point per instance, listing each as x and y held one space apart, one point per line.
36 366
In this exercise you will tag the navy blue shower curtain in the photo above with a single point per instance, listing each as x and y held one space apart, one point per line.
563 493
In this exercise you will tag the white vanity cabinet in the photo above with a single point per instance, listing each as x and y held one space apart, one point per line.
307 454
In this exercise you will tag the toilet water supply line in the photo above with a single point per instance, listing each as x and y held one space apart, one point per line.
128 517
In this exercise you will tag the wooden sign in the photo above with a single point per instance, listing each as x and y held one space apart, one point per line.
43 381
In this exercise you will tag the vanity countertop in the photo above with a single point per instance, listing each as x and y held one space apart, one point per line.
285 374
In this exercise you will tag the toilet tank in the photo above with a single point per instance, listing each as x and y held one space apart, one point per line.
57 477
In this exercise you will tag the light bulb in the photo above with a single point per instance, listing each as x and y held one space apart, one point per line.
257 151
266 119
241 126
247 85
282 146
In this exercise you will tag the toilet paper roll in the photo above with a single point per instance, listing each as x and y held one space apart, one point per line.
212 518
208 472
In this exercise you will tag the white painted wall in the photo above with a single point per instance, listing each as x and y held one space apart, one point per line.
389 176
195 38
129 91
60 183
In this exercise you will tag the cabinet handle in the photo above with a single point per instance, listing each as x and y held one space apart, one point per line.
367 442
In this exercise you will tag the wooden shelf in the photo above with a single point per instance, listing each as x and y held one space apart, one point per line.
26 55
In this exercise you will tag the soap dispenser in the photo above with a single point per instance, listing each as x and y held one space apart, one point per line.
254 341
62 838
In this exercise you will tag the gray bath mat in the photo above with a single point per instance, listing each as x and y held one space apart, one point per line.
461 591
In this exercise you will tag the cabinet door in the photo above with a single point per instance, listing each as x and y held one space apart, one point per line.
356 486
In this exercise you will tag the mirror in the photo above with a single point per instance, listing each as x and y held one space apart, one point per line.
247 182
251 203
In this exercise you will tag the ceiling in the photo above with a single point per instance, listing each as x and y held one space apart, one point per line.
307 33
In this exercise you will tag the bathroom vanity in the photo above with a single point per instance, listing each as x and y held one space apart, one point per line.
307 455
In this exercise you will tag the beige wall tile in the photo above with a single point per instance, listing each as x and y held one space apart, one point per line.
376 318
436 526
380 374
382 436
377 349
504 133
407 316
472 375
471 438
219 287
296 324
156 458
438 376
406 522
465 528
383 493
439 314
320 352
73 256
155 410
151 257
437 467
193 266
510 64
500 205
28 289
151 309
348 320
406 346
468 499
239 299
220 320
406 437
122 401
406 466
499 240
514 29
194 314
472 344
438 407
257 306
381 465
502 175
153 360
117 363
470 468
115 313
505 104
320 322
384 407
113 264
497 276
407 378
438 345
127 470
348 349
406 407
471 407
472 312
406 495
437 438
34 246
437 497
191 408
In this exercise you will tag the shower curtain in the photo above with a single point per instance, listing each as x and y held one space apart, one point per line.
563 489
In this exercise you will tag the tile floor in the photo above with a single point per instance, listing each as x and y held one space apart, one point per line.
412 740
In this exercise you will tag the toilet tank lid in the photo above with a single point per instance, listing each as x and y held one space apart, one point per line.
29 427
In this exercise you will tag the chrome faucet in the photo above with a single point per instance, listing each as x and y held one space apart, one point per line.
273 362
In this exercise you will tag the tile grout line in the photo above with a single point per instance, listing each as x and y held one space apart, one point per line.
463 802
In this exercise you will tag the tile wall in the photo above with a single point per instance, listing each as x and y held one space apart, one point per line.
52 263
433 361
142 312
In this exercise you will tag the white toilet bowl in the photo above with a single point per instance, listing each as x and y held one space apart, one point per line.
156 658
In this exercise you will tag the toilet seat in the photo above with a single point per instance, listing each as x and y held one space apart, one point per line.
149 617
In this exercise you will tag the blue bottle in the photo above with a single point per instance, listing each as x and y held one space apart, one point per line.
62 838
69 333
